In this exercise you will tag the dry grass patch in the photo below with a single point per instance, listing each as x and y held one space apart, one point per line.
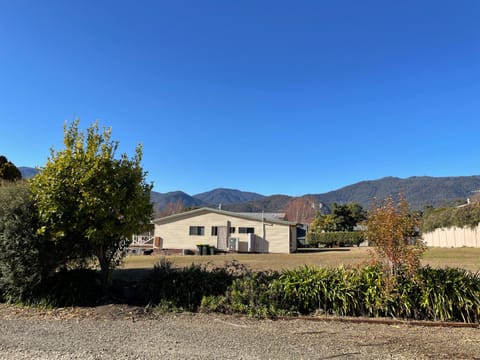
331 257
467 258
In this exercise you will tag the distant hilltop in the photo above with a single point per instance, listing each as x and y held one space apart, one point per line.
420 192
27 172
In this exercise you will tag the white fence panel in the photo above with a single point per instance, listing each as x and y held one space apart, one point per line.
453 237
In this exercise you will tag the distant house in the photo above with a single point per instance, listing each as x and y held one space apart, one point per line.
227 231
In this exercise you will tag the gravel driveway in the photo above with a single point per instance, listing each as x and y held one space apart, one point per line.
116 332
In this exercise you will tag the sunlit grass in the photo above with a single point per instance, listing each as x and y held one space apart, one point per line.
467 258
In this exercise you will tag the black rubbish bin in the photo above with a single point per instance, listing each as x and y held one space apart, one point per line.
205 249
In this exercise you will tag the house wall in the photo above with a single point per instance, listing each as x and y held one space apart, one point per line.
175 234
453 237
293 239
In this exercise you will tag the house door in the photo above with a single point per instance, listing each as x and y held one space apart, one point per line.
222 238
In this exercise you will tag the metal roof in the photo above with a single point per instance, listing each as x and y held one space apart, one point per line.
204 210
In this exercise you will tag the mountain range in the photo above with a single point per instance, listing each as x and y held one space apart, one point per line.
420 191
27 172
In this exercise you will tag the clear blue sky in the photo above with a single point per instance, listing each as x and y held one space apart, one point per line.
289 97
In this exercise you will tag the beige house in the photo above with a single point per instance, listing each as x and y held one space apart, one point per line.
227 231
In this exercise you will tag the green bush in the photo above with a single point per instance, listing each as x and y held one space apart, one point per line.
183 288
23 253
256 294
466 216
79 287
336 238
28 260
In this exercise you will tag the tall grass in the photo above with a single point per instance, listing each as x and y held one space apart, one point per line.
430 294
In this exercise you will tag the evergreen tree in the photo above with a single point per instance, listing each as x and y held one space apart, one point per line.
90 200
8 171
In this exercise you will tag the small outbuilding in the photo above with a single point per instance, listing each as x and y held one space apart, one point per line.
225 230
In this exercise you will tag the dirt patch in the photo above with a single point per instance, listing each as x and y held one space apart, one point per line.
118 331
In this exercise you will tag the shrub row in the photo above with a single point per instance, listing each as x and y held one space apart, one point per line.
337 238
79 287
431 294
466 216
449 294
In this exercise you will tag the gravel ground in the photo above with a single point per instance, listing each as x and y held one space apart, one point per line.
120 332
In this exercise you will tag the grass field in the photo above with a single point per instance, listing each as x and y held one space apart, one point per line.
467 258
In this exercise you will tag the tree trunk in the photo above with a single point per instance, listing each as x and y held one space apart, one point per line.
104 262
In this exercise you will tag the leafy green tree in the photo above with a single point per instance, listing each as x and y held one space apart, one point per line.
8 171
357 213
347 216
91 201
324 223
344 217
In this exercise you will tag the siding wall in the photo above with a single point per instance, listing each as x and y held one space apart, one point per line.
175 235
453 237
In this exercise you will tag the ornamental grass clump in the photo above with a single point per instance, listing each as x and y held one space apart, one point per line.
336 291
428 294
449 294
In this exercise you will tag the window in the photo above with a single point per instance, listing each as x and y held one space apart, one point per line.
197 230
214 230
246 230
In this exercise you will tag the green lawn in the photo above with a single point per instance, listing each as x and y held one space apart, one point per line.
467 258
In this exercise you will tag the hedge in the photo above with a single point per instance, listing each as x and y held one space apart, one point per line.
430 294
337 238
466 216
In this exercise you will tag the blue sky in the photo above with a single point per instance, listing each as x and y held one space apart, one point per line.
289 97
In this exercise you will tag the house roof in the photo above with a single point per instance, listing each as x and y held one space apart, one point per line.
205 210
266 215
